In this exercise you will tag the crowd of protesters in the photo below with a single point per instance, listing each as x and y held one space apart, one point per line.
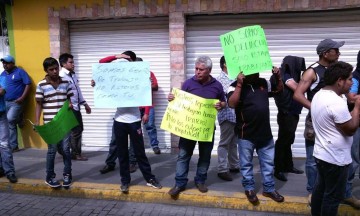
328 88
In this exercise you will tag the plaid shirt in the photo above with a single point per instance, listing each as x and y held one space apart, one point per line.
227 113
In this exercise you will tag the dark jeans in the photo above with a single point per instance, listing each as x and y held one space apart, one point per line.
329 188
286 136
112 155
122 131
182 164
76 134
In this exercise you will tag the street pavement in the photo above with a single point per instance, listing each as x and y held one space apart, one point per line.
36 205
89 183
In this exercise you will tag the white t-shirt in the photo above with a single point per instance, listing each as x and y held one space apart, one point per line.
127 114
327 109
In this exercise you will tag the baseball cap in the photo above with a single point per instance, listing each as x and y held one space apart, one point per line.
8 58
327 44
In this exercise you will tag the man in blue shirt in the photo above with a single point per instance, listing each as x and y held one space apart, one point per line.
18 87
6 158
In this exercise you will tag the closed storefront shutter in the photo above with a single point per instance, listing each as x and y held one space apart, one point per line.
93 40
294 34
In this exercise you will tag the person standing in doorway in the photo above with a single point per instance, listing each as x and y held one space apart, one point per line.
67 73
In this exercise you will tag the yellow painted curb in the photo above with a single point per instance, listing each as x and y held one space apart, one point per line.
138 193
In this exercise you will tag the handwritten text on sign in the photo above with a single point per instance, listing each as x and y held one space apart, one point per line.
246 50
122 84
190 116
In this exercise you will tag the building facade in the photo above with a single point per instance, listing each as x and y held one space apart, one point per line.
169 34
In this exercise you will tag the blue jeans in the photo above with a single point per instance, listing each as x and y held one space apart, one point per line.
122 132
6 157
329 189
310 165
50 157
186 148
265 151
14 111
355 163
151 128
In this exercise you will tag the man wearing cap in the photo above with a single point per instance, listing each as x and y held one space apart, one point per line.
311 82
18 87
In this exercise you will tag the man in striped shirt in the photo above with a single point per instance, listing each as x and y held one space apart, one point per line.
51 94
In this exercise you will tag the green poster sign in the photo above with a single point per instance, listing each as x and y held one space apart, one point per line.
55 130
246 50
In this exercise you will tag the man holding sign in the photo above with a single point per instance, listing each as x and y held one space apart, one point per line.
51 94
202 85
249 96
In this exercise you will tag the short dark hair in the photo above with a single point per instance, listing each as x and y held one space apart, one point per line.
338 70
48 62
139 59
63 58
222 62
131 54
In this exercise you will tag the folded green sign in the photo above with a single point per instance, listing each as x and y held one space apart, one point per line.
55 130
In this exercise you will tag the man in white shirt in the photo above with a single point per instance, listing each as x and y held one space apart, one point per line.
67 73
334 127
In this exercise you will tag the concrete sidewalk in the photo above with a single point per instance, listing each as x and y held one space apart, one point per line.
89 183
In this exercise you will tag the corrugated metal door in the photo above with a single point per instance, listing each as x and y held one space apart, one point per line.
93 40
287 34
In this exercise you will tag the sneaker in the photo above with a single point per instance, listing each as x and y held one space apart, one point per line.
67 181
53 183
201 187
251 196
353 202
274 196
225 176
124 188
154 183
157 150
12 178
132 168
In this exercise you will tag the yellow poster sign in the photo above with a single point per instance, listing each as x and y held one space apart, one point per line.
190 116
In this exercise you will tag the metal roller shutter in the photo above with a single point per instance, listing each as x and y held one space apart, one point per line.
287 34
93 40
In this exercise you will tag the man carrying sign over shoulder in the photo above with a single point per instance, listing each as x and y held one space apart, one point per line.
202 85
249 96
